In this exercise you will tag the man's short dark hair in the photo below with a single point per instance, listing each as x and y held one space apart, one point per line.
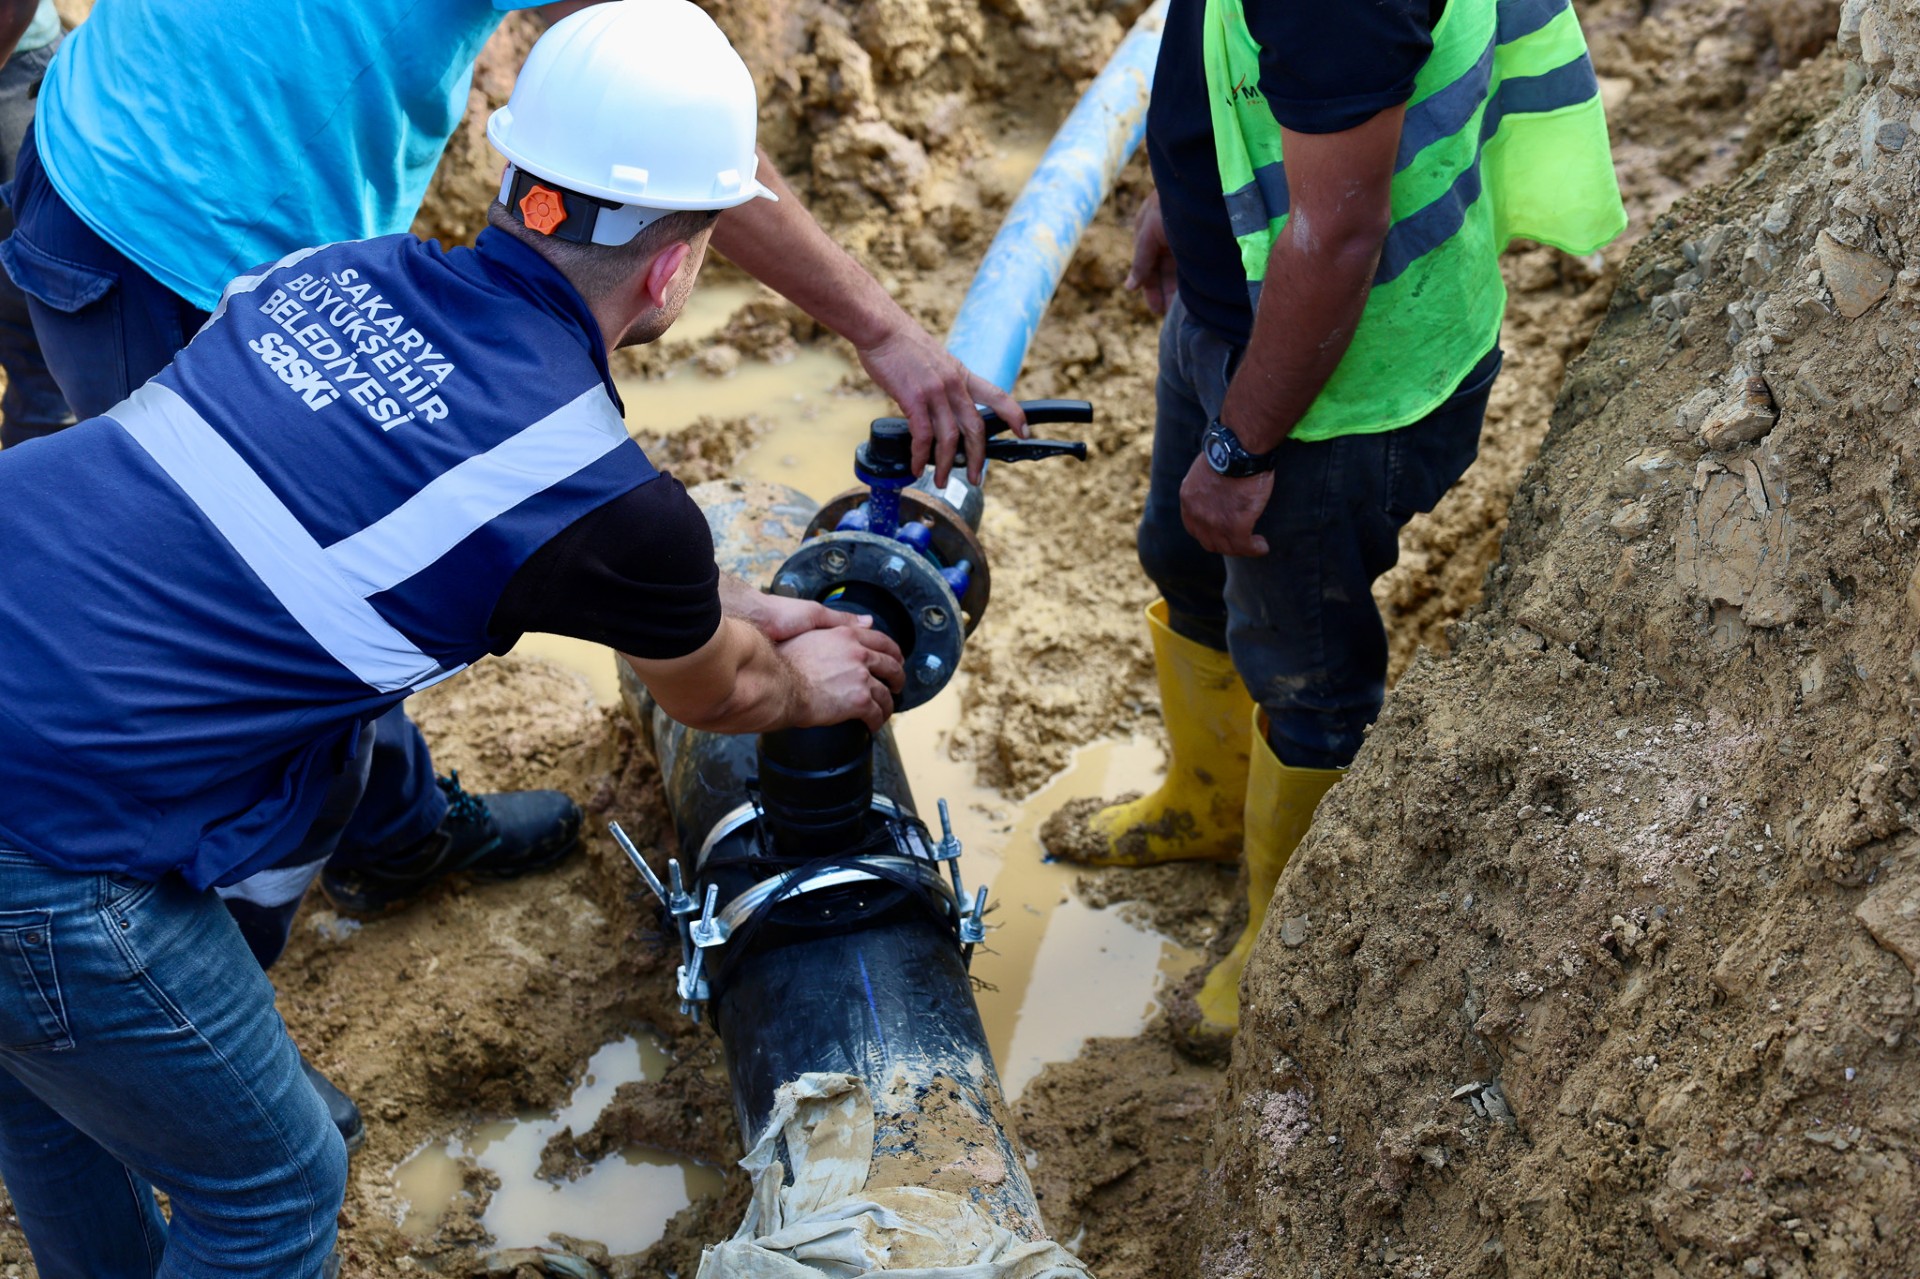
598 269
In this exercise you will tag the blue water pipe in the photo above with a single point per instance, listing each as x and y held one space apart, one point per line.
1023 266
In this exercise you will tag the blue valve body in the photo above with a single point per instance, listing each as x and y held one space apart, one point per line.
880 515
914 534
883 503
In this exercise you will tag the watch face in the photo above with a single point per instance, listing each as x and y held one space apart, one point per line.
1219 453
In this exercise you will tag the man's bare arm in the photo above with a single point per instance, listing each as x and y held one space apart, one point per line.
1319 274
781 245
742 682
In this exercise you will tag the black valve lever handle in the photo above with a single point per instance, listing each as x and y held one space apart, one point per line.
1040 413
1031 450
1027 451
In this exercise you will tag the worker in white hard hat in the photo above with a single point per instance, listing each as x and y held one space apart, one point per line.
378 462
179 145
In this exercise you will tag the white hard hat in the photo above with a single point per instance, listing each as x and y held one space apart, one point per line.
641 105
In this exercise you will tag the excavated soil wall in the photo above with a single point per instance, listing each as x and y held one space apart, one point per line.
1603 960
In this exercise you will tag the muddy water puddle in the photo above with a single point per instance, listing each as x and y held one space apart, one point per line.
709 307
811 422
624 1201
1057 971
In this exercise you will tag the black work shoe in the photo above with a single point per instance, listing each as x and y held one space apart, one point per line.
499 836
340 1107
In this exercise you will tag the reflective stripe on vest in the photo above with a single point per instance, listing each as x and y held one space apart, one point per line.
1497 67
243 284
326 588
1253 206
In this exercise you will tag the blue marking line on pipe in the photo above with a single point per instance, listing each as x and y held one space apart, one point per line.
1023 266
866 983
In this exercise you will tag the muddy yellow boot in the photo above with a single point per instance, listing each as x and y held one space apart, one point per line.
1280 807
1196 813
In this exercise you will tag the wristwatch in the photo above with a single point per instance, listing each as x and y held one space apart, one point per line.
1226 455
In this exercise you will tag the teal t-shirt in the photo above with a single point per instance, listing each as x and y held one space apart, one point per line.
204 138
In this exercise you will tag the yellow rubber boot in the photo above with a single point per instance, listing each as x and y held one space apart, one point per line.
1196 814
1280 805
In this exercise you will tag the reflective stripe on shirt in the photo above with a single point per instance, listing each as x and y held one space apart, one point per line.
272 541
478 491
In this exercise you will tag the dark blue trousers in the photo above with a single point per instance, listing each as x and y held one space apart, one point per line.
106 326
1299 622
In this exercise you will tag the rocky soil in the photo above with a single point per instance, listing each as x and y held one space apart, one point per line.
1606 949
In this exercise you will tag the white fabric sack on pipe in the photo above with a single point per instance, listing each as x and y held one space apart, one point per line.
827 1224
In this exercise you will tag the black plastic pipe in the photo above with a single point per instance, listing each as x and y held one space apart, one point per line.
864 978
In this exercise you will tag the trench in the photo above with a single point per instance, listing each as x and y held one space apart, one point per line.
1054 971
1677 76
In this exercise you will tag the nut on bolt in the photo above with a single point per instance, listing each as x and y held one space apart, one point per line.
928 669
893 572
788 585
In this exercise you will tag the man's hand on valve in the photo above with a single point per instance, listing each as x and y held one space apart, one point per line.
778 617
937 394
846 672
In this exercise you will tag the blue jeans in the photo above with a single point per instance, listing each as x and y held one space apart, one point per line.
32 405
1300 621
107 326
140 1050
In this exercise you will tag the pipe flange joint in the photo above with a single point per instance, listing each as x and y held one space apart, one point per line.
904 593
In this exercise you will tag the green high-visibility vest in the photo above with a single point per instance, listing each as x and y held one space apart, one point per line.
1505 138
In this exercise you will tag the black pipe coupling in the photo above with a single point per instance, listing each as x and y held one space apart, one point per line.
901 590
908 858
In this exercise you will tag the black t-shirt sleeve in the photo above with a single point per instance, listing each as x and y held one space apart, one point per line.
636 574
1331 65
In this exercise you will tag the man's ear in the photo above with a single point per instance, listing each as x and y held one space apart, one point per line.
660 272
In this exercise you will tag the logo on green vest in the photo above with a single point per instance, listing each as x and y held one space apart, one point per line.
1244 92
